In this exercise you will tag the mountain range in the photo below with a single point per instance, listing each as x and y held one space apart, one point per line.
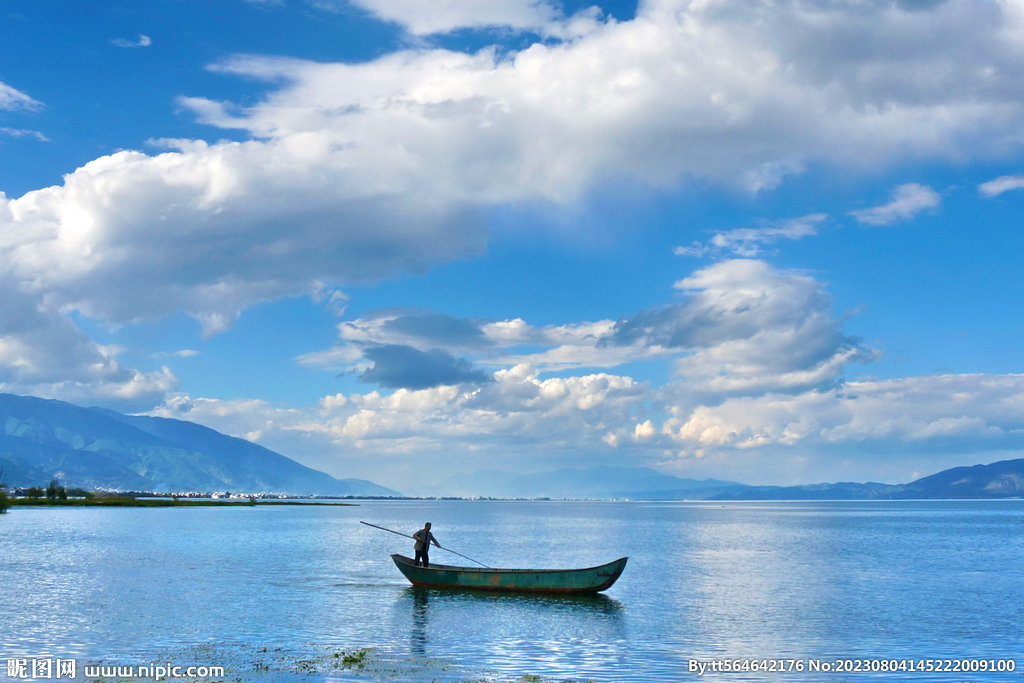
1003 479
95 448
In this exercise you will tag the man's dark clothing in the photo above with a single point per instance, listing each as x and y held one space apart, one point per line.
423 540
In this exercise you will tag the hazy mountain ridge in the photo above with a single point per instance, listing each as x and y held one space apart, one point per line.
1004 479
997 480
99 448
592 482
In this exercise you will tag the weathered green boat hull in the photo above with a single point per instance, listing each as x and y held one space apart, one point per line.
590 580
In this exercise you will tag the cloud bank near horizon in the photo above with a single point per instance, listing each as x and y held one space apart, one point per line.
757 356
894 430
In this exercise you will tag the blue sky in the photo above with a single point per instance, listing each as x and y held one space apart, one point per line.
769 242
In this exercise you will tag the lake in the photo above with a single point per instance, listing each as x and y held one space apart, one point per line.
308 593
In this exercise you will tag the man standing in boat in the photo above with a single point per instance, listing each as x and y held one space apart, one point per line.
423 540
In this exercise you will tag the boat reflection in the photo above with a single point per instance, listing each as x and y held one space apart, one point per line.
432 610
418 632
592 604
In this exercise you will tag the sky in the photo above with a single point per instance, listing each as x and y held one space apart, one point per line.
771 242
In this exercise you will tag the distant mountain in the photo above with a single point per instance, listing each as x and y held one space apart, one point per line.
99 448
1003 479
591 482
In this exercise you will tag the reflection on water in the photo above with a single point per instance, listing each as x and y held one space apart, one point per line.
469 624
418 631
752 580
597 605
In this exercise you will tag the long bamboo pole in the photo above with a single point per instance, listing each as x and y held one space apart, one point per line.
440 547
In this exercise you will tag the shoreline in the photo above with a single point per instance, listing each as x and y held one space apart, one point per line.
150 503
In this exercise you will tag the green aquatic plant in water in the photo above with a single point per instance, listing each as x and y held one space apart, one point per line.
357 658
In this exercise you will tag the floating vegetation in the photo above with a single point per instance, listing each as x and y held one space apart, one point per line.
357 658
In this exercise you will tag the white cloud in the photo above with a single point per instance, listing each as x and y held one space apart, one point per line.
357 172
700 89
13 100
517 411
994 188
335 300
183 353
569 356
696 250
747 242
745 327
493 342
23 132
44 354
213 229
742 327
523 422
644 430
426 17
563 347
143 41
982 411
510 407
514 332
342 357
907 201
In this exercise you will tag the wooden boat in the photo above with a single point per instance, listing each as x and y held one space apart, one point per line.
590 580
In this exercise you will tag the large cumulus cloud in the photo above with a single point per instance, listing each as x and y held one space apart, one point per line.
357 172
741 327
747 327
211 229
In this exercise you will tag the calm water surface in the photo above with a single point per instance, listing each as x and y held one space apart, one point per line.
806 580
